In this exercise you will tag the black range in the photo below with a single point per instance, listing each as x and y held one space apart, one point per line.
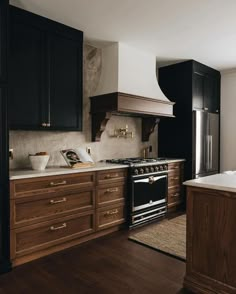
147 188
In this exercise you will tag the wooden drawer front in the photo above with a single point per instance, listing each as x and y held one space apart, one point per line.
175 166
174 179
46 234
111 176
110 217
29 210
112 194
174 195
21 187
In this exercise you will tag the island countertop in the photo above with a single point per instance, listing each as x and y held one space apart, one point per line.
223 182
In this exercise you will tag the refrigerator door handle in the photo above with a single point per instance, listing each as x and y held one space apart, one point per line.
210 152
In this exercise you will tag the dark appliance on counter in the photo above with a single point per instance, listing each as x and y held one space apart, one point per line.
147 189
194 132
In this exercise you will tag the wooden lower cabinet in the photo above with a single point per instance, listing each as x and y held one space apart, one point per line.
211 241
51 213
175 189
110 216
39 236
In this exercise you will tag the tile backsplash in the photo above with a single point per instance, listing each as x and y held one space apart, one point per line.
28 142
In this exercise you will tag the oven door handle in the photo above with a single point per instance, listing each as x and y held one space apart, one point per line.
150 179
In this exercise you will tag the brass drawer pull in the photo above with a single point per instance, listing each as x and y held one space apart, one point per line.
112 190
175 195
174 178
58 184
63 226
111 176
111 212
58 201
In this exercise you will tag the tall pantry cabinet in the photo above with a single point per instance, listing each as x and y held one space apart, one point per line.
194 87
4 170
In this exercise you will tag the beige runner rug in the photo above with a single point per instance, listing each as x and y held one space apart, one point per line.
168 236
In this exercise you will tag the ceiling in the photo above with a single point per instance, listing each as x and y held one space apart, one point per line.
204 30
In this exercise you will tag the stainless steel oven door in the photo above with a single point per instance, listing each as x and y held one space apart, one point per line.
148 191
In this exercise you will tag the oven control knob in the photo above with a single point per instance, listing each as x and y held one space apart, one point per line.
156 168
165 167
141 171
136 171
146 169
161 167
152 169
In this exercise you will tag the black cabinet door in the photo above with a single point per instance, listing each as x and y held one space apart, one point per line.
198 91
3 40
212 93
206 88
4 184
26 73
65 78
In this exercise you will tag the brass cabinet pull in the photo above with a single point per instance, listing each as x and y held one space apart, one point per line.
174 178
112 190
63 226
175 195
111 212
58 201
58 184
111 176
44 124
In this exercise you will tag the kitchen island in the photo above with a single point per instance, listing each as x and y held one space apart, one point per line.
211 238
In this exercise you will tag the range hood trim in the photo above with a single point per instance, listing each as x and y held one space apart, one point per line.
103 106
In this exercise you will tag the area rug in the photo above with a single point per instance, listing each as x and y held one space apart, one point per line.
167 236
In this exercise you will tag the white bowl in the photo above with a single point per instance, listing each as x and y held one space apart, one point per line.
39 162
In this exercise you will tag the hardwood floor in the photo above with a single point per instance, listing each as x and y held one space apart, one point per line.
108 265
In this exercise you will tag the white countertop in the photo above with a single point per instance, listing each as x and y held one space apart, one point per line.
53 171
223 182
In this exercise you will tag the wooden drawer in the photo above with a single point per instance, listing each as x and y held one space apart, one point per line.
112 175
33 238
29 210
174 179
109 217
27 187
174 195
110 194
175 166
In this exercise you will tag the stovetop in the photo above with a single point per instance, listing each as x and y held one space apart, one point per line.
140 166
137 161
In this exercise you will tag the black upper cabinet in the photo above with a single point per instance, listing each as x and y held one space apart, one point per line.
3 40
26 74
45 74
65 81
206 88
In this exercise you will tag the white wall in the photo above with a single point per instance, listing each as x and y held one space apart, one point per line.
228 120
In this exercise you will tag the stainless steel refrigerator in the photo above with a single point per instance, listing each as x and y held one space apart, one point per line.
205 151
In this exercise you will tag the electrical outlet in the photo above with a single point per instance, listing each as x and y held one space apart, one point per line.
88 149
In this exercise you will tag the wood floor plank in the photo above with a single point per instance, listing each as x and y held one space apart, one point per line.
109 265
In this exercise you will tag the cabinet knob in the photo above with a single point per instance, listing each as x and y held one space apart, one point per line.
48 124
44 124
205 108
217 110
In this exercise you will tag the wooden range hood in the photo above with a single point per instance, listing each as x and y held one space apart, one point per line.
117 103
